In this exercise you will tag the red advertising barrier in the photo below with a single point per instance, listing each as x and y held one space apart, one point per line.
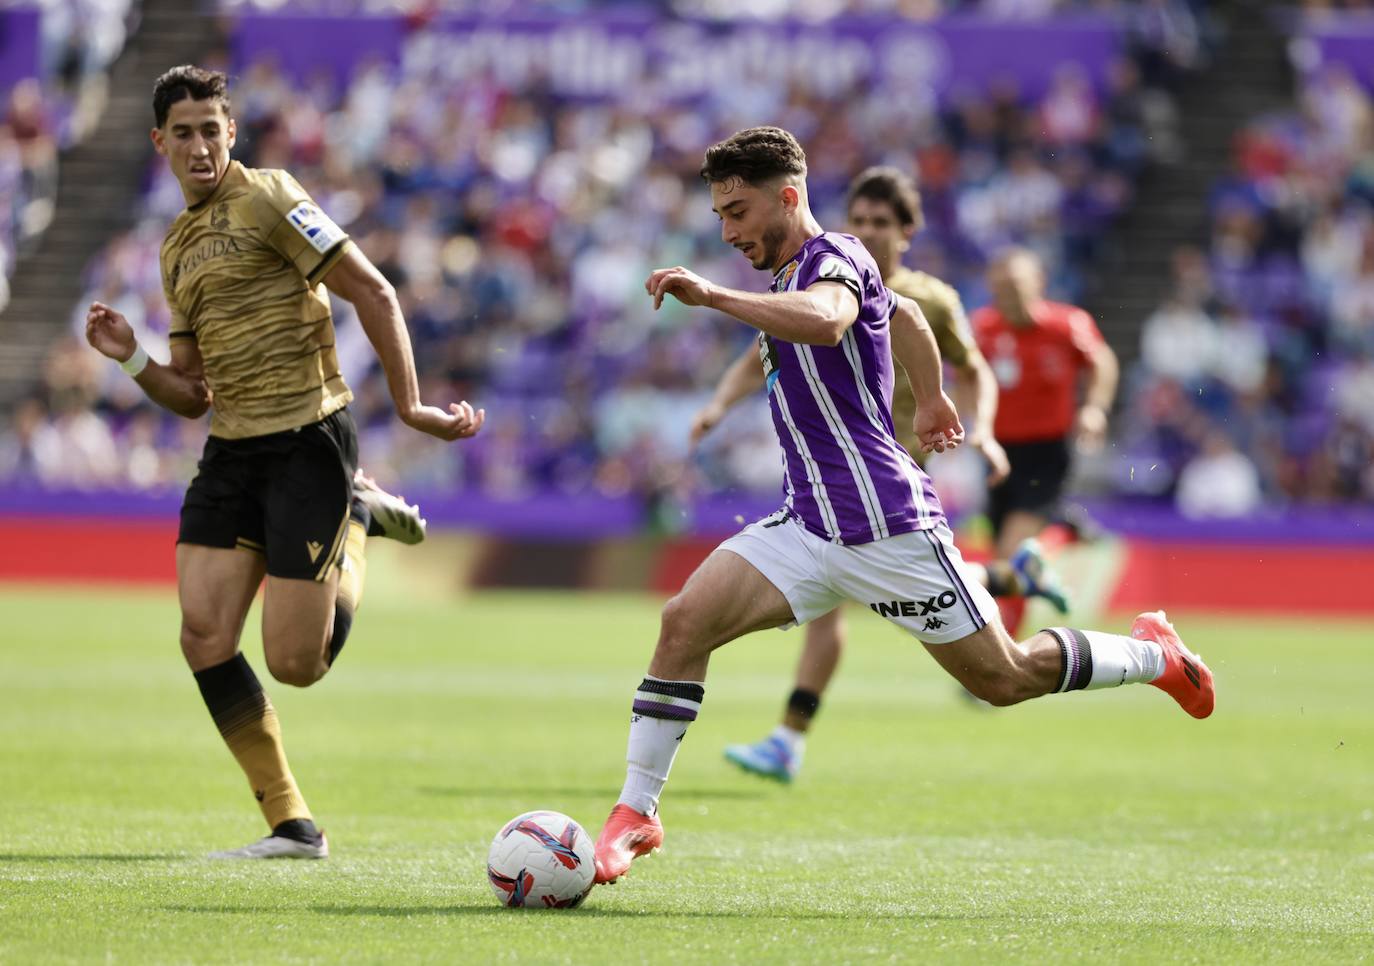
1270 579
1253 577
113 551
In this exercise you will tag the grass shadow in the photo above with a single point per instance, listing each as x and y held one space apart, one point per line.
599 794
490 910
92 857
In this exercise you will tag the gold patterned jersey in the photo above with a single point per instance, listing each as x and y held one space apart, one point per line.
243 271
945 312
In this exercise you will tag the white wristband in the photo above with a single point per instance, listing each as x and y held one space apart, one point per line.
137 362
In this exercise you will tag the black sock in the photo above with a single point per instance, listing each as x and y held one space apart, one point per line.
803 702
231 692
357 510
343 623
298 830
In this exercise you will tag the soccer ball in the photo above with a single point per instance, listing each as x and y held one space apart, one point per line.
541 860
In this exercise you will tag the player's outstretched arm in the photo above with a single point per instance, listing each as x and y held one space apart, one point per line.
937 423
817 316
356 280
1103 370
179 386
982 412
743 378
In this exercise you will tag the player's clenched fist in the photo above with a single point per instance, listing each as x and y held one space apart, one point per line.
999 465
687 287
460 421
705 420
109 333
937 425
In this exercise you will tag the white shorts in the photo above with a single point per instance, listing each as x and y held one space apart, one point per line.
917 580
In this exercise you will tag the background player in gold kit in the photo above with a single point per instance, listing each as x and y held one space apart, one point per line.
884 212
277 492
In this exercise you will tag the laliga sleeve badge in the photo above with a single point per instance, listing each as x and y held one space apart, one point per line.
315 227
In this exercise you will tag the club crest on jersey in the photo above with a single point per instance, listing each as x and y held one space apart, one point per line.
219 217
315 227
786 277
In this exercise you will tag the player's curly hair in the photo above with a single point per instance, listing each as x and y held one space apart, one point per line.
754 155
185 81
889 186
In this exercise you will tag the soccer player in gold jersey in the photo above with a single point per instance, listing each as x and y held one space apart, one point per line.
884 212
277 494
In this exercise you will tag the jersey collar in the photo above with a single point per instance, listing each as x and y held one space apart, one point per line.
232 170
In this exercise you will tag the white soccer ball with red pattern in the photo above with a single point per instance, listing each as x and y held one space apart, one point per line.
541 860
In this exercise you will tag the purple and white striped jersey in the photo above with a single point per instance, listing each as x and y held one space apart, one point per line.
846 477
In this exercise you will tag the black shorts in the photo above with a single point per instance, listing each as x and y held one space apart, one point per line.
1036 481
285 495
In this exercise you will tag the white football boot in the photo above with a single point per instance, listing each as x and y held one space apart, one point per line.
278 847
392 516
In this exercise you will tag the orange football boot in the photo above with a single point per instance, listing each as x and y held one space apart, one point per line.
1185 679
626 836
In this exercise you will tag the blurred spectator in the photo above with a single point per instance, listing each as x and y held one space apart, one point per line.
1219 482
1179 341
28 171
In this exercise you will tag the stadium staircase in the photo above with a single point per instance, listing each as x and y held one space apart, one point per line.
97 182
1249 75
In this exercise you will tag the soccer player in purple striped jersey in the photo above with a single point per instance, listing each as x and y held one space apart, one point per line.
860 520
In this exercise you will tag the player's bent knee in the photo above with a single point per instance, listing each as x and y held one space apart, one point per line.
204 645
680 631
296 669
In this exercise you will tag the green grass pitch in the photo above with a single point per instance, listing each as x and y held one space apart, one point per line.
1090 827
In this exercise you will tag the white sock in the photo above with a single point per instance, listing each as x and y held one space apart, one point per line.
1093 659
794 740
662 712
1121 660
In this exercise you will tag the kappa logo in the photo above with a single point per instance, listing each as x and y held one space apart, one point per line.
908 608
934 623
313 549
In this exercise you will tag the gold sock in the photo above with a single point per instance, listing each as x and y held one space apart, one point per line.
248 724
353 567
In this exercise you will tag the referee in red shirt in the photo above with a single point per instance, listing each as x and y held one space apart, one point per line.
1057 378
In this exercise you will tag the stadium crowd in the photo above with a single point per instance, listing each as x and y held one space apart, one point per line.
41 116
518 228
1257 375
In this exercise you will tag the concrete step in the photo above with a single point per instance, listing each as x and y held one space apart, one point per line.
1250 76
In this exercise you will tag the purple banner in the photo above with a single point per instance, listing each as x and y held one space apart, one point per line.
625 57
1339 38
19 45
589 516
1326 526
